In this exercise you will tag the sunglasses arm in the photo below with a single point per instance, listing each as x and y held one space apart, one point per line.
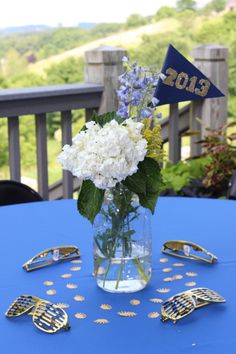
67 327
191 256
36 264
164 319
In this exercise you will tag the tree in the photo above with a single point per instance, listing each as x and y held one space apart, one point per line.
223 31
218 5
31 58
164 12
215 5
183 5
26 79
104 29
68 71
3 82
14 63
135 20
153 48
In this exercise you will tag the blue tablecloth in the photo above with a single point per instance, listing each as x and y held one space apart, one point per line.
27 229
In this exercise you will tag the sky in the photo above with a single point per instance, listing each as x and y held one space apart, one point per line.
72 12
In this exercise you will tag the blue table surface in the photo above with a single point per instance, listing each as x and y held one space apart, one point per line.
27 229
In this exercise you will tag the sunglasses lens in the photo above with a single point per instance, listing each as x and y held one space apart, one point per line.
69 251
21 305
189 250
181 248
207 295
194 251
49 317
177 307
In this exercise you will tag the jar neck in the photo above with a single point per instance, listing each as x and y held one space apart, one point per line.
120 191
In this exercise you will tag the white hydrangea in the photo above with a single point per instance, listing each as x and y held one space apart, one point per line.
105 155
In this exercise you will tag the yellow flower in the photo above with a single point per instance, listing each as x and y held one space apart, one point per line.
154 140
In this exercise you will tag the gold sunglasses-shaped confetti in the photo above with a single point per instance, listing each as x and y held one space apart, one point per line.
182 304
189 250
46 316
52 256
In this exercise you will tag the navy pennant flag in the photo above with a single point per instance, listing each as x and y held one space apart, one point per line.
181 81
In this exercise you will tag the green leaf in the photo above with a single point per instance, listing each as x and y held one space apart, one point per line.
149 200
104 118
151 169
136 182
146 183
90 200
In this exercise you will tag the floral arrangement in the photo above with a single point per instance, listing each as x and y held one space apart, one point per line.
119 148
117 157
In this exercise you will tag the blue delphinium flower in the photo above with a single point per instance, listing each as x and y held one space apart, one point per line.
146 112
135 94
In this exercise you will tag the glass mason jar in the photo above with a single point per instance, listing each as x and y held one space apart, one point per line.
122 243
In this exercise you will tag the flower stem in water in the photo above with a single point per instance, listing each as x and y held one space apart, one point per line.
107 270
119 274
140 269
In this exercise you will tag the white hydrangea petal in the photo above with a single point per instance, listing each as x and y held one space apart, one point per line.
105 155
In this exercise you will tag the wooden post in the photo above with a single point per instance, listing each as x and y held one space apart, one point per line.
14 148
66 129
42 155
211 59
103 66
174 136
195 126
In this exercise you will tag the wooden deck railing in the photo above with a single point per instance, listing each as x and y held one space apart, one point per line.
103 67
39 101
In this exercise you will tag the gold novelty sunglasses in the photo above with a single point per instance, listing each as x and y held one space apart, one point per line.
46 316
189 250
51 256
182 304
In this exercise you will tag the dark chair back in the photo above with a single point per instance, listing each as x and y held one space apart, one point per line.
12 192
232 187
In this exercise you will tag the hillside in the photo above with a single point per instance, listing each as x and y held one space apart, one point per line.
126 39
